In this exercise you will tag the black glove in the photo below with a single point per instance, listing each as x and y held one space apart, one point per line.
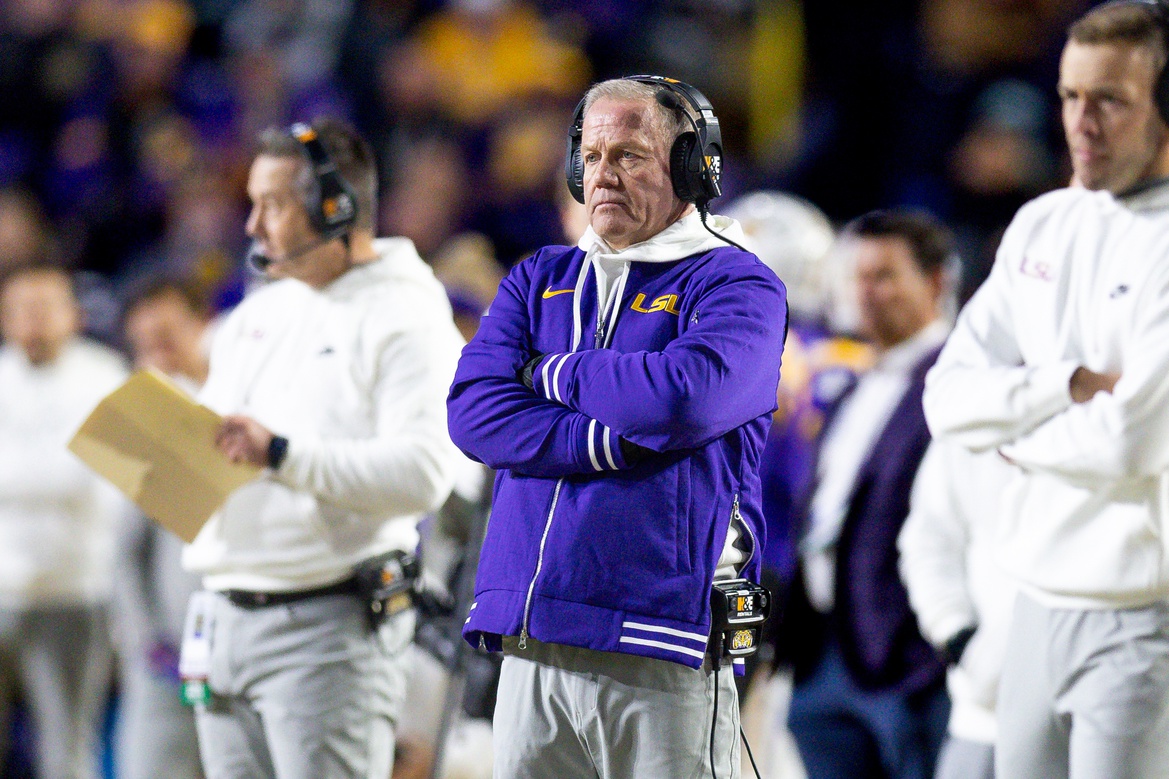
525 374
633 453
956 645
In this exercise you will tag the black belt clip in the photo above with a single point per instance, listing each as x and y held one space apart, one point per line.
386 583
738 609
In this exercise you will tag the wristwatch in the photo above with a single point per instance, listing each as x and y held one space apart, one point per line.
277 451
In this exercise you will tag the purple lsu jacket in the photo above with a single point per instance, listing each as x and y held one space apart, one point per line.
583 548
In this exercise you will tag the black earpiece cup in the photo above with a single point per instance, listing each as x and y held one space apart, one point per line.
573 161
574 170
332 206
680 173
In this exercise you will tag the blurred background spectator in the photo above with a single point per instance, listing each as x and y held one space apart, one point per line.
57 523
164 324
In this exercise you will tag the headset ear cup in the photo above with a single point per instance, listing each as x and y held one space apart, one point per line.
573 161
680 174
574 169
334 206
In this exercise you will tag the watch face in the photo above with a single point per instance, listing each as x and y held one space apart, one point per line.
277 450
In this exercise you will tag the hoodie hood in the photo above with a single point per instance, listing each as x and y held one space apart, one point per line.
683 238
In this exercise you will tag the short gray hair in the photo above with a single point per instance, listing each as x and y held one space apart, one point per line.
667 123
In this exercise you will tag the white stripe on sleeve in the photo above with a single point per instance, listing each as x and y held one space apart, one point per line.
593 445
608 449
556 377
544 375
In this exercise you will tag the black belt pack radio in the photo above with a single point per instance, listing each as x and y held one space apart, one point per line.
738 609
387 584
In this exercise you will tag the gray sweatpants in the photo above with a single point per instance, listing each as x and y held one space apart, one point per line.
964 759
60 657
1085 694
569 713
302 691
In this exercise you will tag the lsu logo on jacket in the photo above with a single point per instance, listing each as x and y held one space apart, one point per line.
667 303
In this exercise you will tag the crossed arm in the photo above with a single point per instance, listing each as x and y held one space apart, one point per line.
1061 417
721 373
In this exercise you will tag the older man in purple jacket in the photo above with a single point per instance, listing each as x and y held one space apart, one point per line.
623 389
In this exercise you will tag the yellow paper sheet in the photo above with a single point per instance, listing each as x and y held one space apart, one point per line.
157 445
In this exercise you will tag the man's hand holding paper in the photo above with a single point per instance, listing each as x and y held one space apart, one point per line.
159 447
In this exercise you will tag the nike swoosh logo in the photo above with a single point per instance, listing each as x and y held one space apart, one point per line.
551 293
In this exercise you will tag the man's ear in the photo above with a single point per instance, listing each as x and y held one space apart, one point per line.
940 283
80 318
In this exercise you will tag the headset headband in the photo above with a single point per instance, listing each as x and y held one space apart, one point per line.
332 204
315 150
696 99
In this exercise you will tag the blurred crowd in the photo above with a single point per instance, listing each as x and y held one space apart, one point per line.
127 124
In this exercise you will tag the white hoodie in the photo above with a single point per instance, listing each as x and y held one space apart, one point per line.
1081 279
684 238
355 376
57 517
947 548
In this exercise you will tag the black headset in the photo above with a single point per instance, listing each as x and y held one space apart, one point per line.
695 157
1160 11
330 201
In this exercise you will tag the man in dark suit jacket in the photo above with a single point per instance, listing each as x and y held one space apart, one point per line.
869 697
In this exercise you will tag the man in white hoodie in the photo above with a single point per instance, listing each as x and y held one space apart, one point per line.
1059 362
57 521
332 378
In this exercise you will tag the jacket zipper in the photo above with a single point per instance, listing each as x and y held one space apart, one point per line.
539 565
600 340
619 284
559 482
735 515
